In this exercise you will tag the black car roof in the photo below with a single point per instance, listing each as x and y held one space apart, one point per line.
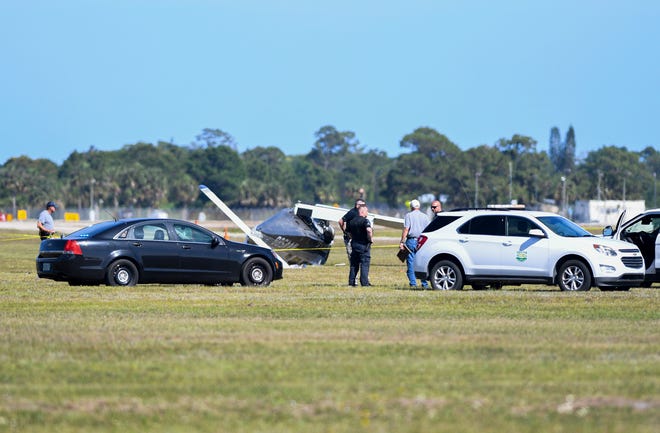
103 226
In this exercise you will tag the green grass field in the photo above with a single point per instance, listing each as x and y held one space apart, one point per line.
310 354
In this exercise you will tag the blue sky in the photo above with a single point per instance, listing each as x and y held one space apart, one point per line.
108 73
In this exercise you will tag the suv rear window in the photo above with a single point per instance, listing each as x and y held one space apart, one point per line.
439 222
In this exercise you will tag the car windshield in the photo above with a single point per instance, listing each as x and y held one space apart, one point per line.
564 227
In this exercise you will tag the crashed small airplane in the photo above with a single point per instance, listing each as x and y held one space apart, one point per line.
301 235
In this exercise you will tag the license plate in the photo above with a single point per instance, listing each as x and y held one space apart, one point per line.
46 267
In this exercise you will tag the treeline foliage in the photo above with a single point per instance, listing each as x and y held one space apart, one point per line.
336 170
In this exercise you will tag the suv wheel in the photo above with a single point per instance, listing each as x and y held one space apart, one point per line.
574 276
445 275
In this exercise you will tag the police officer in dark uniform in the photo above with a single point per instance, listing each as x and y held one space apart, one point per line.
343 224
361 238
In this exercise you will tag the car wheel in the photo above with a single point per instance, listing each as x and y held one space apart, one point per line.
445 275
122 273
574 276
256 272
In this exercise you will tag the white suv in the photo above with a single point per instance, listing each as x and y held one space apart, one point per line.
484 247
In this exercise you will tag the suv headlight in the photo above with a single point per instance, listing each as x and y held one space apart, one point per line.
603 249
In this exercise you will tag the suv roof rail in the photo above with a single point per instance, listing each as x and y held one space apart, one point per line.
469 208
490 207
507 206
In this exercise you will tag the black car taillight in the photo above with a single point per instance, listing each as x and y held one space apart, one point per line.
72 247
420 241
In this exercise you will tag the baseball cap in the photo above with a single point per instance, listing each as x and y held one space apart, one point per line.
414 203
51 203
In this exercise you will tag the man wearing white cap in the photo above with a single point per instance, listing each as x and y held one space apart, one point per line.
414 223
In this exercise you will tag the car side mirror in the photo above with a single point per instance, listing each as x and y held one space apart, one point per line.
608 231
537 233
215 242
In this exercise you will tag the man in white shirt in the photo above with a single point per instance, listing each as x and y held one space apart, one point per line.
45 223
414 224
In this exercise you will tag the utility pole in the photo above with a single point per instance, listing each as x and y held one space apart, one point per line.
655 203
563 195
476 189
510 182
92 215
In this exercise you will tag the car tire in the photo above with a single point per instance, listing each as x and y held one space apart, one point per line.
122 272
256 272
574 276
445 275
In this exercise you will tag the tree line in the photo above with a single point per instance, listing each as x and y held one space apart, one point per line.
337 169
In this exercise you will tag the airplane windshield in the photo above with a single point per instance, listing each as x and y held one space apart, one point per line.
564 227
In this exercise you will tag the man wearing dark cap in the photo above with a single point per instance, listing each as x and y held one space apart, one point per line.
361 238
343 224
45 223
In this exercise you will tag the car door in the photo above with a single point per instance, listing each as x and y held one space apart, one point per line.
482 238
643 232
157 253
522 254
202 260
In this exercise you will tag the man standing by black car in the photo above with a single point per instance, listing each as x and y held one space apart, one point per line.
45 222
343 224
361 238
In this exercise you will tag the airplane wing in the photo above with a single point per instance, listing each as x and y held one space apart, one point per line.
331 213
236 220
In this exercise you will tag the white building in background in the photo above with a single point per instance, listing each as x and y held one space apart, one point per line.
605 212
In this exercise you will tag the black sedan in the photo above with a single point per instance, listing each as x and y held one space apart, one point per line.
147 250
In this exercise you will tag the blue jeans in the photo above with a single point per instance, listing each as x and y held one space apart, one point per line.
412 244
